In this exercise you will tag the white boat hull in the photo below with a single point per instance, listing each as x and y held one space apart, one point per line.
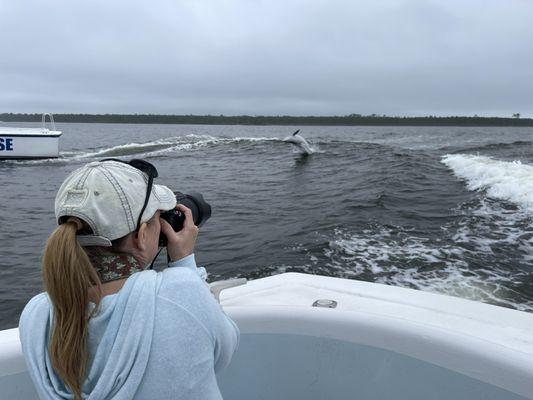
21 146
380 342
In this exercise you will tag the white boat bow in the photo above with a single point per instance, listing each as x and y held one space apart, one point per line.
379 342
314 337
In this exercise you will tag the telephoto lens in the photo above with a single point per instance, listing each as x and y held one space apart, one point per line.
200 209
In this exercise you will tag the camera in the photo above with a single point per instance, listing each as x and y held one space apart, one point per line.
200 209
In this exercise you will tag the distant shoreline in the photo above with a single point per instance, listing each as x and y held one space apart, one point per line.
347 120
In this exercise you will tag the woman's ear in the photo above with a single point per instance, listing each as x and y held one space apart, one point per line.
139 239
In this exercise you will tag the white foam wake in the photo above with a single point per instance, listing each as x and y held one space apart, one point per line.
169 145
150 149
503 180
442 266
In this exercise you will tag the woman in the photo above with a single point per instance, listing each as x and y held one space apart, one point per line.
107 327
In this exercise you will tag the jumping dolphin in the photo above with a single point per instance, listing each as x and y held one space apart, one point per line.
299 142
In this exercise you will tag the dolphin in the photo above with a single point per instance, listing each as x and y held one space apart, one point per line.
299 142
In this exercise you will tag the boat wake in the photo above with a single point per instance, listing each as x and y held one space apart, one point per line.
483 253
462 264
312 149
503 180
156 148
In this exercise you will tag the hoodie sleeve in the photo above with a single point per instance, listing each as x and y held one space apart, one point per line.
34 328
189 262
226 341
184 285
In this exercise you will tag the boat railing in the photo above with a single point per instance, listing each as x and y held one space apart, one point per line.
52 123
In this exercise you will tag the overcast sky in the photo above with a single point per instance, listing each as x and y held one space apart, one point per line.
230 57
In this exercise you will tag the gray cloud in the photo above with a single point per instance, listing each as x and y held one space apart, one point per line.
266 57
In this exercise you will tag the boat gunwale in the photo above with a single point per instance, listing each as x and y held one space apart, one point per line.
472 356
50 134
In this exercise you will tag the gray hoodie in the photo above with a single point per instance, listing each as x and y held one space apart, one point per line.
162 336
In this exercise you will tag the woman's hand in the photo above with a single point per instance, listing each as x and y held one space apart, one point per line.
180 244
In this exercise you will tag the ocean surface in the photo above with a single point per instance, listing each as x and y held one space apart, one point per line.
441 209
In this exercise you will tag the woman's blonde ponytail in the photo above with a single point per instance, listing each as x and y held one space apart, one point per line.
68 275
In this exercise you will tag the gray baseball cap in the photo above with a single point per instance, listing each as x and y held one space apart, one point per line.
109 197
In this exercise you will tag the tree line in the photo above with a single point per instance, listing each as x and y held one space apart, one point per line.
352 119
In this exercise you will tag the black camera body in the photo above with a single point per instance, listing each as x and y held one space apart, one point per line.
200 209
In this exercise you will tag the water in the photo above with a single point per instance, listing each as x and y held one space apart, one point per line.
444 209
